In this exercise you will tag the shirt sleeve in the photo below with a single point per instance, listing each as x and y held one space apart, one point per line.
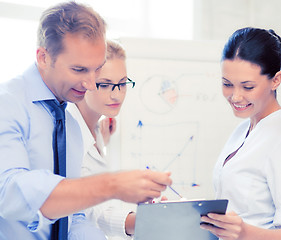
23 192
39 222
110 218
83 229
273 171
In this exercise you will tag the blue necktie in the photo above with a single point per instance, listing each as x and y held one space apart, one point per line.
60 227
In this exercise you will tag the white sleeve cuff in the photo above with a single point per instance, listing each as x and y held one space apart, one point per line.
113 221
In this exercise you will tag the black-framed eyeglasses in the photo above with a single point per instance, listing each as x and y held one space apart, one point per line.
108 87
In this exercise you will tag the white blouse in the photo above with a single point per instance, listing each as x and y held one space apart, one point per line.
250 179
107 216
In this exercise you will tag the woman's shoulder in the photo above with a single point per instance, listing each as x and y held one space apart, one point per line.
271 123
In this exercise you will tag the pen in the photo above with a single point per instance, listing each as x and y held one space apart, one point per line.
110 124
147 167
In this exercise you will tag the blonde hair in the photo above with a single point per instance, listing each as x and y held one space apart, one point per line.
115 50
69 17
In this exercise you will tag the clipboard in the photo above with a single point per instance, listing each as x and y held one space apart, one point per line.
179 220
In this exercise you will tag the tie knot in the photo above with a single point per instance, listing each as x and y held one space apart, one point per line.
56 107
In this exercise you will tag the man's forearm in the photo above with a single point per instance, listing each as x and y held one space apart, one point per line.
73 195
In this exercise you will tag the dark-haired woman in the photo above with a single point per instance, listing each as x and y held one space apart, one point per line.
248 171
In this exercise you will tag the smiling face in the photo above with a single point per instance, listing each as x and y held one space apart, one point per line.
75 69
108 103
249 93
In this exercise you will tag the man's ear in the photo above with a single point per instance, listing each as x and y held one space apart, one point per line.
276 81
43 57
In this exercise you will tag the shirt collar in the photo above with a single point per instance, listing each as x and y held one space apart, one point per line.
37 89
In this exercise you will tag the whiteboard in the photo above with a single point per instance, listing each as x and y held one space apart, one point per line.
175 119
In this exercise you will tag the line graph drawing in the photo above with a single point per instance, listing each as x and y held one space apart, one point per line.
177 154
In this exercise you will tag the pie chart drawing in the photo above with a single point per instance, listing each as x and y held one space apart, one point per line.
159 94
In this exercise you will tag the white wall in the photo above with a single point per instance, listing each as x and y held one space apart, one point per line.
217 19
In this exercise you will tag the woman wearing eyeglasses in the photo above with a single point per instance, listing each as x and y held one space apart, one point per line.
107 99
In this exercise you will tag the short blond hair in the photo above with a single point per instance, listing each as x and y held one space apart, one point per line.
69 17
